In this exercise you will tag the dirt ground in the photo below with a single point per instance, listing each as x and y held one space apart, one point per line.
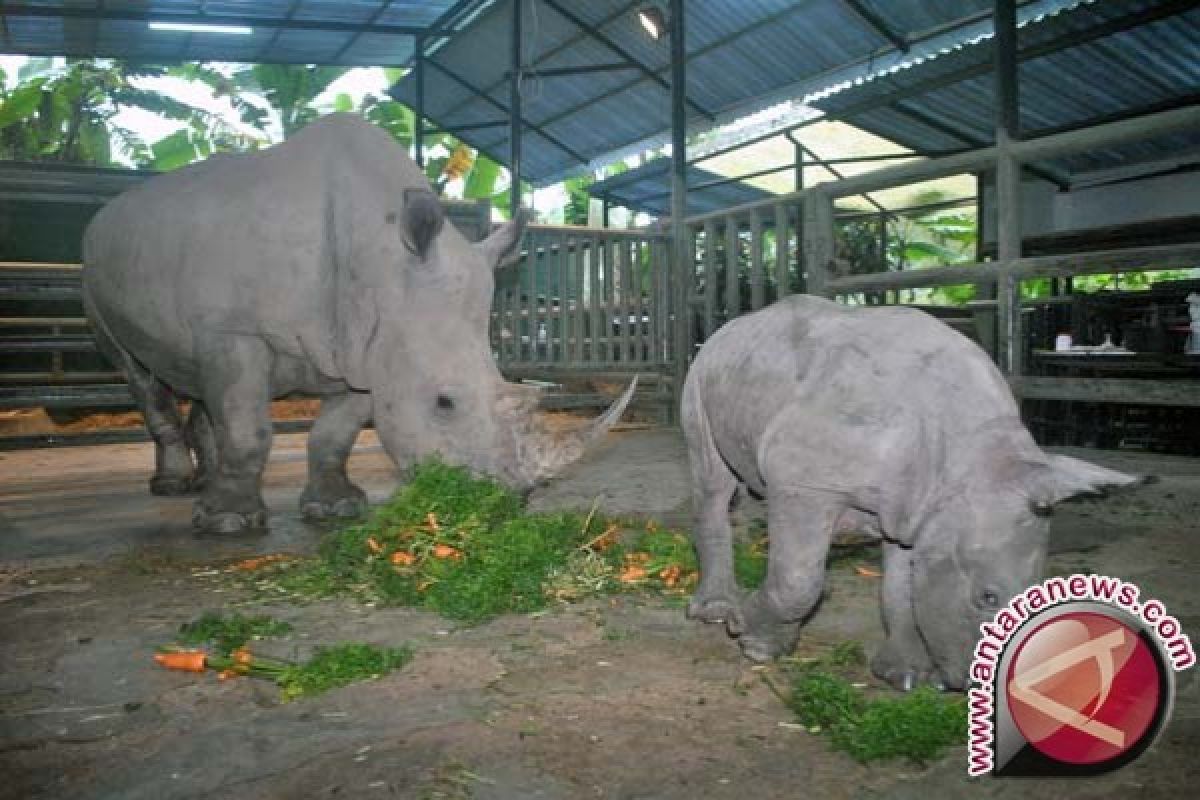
622 698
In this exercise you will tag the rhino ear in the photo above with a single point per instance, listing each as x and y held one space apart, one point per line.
1063 477
502 247
422 221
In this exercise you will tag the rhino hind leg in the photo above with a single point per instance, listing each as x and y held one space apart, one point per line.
903 661
329 494
202 441
800 524
173 473
237 399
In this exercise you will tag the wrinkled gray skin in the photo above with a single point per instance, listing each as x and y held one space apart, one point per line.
320 266
877 418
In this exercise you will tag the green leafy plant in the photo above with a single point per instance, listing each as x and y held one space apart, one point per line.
340 665
916 726
227 634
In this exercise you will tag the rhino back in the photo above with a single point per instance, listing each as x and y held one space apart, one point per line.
844 381
244 244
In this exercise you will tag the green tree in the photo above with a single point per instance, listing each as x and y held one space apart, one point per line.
65 112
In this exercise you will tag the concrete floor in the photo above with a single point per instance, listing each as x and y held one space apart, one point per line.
95 573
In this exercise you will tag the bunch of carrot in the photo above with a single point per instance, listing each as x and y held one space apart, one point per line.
417 543
239 662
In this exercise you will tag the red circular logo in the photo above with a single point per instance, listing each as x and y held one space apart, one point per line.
1084 688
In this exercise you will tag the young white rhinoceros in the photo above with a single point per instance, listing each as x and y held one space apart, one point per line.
322 266
877 416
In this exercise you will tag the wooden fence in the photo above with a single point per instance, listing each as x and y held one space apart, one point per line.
736 264
585 299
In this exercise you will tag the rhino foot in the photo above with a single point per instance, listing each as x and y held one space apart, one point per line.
768 644
228 522
346 501
717 609
172 485
905 673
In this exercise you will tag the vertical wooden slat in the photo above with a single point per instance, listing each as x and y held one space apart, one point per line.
783 283
627 298
580 274
657 318
688 344
594 353
710 277
756 260
818 240
564 269
613 254
645 287
732 300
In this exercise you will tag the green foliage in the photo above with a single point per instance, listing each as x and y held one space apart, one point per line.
750 562
916 726
450 543
229 633
341 665
66 113
848 654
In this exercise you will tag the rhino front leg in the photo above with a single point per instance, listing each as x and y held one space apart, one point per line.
800 525
713 485
903 660
716 598
329 492
237 398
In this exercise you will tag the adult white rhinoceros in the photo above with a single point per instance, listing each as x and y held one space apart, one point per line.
319 266
883 417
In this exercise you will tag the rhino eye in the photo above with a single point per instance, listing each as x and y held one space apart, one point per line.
445 403
989 599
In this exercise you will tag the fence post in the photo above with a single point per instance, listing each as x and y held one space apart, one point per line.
818 238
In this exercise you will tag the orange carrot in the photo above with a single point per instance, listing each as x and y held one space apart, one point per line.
632 574
402 558
670 575
184 660
251 564
446 551
242 656
226 674
373 545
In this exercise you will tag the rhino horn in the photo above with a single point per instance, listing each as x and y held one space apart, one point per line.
546 453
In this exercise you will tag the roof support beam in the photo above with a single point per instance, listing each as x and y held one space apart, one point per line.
681 258
599 36
419 111
121 15
552 139
514 111
877 24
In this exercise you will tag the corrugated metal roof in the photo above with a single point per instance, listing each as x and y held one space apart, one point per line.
348 32
1084 65
742 56
648 188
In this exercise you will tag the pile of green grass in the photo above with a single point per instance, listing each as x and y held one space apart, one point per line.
917 726
464 547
